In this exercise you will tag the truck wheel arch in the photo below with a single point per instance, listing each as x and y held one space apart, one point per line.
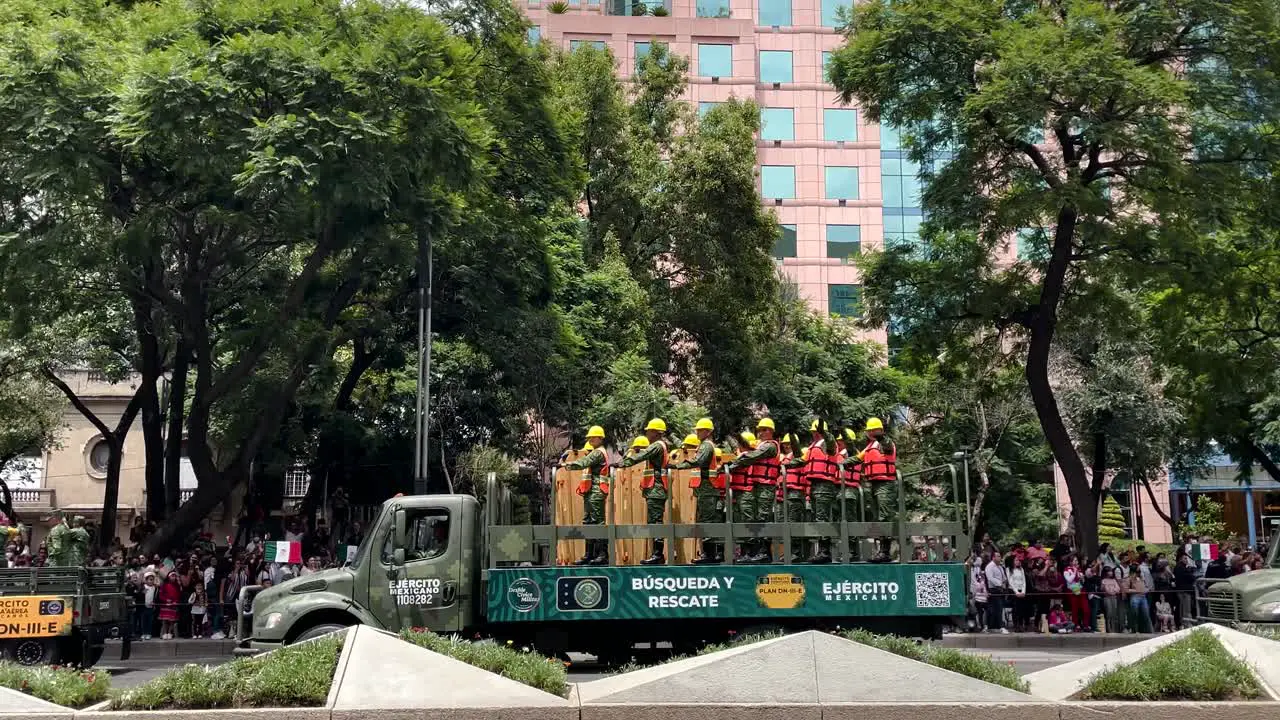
324 616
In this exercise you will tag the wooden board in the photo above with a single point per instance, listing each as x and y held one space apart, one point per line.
569 509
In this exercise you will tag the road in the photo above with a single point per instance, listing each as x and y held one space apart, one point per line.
140 670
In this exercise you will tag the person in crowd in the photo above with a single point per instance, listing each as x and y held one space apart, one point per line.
168 598
1059 621
199 602
1093 592
998 589
1184 584
978 590
1112 597
150 599
1073 578
1022 610
1139 609
237 578
1164 614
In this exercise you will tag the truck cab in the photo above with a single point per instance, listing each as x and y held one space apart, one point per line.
1253 597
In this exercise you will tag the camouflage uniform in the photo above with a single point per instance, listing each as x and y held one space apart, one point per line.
762 496
708 506
593 500
655 497
826 503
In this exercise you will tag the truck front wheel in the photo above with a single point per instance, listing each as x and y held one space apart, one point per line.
31 651
315 632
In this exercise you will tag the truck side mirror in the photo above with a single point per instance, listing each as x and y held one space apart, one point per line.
400 531
397 556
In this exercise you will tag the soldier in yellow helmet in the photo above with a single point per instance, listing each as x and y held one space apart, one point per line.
655 484
764 466
708 505
594 489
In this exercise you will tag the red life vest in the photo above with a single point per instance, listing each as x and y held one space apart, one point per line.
651 470
784 475
741 479
711 472
820 466
849 474
766 471
584 487
877 465
798 478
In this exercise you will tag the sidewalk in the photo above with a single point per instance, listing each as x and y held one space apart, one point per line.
205 648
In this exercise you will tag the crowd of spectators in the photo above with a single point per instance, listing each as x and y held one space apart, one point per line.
1030 588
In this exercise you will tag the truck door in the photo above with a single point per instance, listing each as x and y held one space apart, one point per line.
422 570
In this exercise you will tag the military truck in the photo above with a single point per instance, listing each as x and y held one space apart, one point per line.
447 564
64 615
1253 597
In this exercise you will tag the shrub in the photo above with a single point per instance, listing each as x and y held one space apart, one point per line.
1111 521
63 686
975 666
536 671
558 8
1196 667
661 11
293 676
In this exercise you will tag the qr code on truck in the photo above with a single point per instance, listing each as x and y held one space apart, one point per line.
933 590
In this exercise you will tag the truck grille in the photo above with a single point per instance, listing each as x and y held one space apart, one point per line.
1224 604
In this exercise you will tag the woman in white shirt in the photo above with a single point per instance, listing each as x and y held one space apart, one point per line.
1018 586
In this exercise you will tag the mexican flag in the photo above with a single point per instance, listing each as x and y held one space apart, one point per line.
347 553
1204 551
283 552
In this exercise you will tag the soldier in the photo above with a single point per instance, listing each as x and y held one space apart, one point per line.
656 483
765 466
744 499
594 489
850 473
879 469
822 473
709 508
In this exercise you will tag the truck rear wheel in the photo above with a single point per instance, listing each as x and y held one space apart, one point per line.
31 651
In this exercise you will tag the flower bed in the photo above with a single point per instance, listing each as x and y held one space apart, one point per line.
1196 667
975 666
536 671
293 676
63 686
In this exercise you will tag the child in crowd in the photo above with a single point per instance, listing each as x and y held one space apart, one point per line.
167 598
149 597
980 599
199 601
1164 614
1059 622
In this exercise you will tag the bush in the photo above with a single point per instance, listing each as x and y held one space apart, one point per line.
1196 667
661 11
293 676
67 687
975 666
558 8
1111 521
536 671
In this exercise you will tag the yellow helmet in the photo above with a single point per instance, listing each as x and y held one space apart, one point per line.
813 426
657 424
850 435
748 438
640 442
704 424
765 423
874 424
586 446
692 441
596 431
719 454
786 439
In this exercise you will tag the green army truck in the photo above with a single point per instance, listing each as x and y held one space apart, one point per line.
447 564
1253 597
51 615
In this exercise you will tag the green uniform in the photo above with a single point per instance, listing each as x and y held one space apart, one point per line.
655 497
708 507
594 500
794 505
825 496
760 500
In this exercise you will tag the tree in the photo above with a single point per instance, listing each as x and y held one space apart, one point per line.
1209 521
1147 108
30 416
1111 524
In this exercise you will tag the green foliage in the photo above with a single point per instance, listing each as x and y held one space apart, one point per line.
1209 521
559 7
293 676
1196 667
980 667
1111 524
30 410
542 673
63 686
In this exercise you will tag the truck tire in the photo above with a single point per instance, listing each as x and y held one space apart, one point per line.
31 652
315 632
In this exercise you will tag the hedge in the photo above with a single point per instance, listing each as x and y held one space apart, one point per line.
1196 667
68 687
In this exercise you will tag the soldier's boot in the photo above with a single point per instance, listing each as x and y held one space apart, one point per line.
761 554
589 555
658 557
708 556
601 556
824 553
882 554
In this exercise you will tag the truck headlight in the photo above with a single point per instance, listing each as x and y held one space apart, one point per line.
1269 608
272 620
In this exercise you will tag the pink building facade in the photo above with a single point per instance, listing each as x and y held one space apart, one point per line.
837 184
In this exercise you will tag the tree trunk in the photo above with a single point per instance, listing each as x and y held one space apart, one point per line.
1260 456
177 418
153 450
211 492
1041 329
111 492
975 513
1098 471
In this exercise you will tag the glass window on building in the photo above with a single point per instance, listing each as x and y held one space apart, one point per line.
831 12
842 183
575 44
785 245
715 60
900 182
777 124
844 241
778 181
775 13
902 228
844 300
705 107
826 65
775 66
534 35
713 8
889 138
839 125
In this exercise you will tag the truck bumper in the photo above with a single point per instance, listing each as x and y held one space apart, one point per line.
251 647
